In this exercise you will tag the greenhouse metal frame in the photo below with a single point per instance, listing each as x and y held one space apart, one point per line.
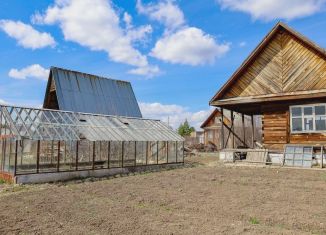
35 141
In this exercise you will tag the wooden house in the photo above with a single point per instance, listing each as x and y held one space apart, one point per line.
284 81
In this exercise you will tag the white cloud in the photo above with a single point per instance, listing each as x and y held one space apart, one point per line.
32 71
26 35
188 46
180 44
127 19
95 24
174 114
165 12
268 10
149 71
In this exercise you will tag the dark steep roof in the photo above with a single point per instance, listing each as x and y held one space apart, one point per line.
80 92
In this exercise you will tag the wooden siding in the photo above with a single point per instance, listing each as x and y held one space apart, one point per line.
286 64
276 128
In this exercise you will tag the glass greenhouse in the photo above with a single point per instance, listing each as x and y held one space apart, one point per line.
44 141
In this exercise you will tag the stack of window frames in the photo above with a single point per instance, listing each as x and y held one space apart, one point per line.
299 156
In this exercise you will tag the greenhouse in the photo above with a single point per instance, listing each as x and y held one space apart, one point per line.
42 141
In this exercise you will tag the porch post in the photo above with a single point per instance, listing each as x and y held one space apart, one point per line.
232 128
253 132
222 129
244 129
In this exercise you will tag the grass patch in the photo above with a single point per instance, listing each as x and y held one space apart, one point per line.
2 181
253 220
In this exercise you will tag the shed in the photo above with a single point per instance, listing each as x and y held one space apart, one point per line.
212 128
80 92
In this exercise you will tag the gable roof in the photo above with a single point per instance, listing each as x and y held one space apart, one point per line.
215 113
277 28
80 92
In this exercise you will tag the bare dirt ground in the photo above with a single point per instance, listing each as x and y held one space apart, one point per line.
207 198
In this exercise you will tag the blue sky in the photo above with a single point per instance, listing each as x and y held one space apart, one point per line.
177 54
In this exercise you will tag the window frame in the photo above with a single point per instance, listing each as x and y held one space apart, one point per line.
303 116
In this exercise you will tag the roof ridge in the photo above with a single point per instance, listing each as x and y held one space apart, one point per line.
88 74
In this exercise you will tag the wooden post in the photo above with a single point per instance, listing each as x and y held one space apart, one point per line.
232 130
322 157
253 132
58 157
222 129
244 129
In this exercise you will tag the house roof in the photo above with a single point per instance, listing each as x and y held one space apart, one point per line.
277 28
81 92
215 113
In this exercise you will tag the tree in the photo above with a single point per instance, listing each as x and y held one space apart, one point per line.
184 129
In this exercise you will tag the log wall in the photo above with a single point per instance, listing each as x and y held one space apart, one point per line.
276 129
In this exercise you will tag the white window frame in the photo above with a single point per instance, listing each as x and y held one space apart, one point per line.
313 116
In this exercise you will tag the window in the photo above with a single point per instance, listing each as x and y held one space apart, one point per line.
308 118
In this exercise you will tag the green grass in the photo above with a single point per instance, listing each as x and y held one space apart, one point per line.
2 181
254 220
